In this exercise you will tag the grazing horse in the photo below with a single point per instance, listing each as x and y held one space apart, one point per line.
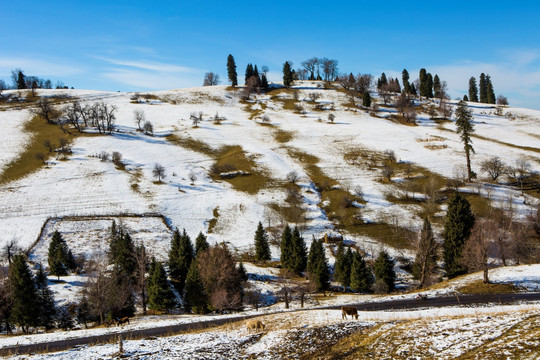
122 321
349 310
254 325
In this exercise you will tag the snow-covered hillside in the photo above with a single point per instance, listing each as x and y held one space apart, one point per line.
84 185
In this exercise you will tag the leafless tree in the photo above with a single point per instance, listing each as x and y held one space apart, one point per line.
502 100
265 119
445 109
104 156
404 103
251 87
521 170
73 114
97 290
310 65
479 246
159 172
363 82
141 265
494 166
47 111
40 156
196 118
148 128
313 96
265 69
330 67
48 145
210 79
139 117
388 170
192 177
218 119
293 177
426 248
331 118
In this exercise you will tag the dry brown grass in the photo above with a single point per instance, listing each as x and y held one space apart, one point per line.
478 287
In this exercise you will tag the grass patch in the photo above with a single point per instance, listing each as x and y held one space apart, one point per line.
478 287
26 163
288 103
402 120
253 113
290 213
192 144
212 223
283 136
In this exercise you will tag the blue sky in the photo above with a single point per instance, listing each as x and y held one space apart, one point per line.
151 45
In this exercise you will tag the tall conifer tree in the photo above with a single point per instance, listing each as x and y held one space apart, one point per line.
473 90
46 310
160 294
195 297
262 248
23 294
317 267
405 78
423 82
201 244
180 257
384 270
483 89
361 277
489 90
457 228
287 74
299 251
465 128
287 249
231 70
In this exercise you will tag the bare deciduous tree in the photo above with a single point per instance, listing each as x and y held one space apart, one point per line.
40 156
479 246
494 166
139 117
293 177
521 170
210 79
426 248
148 128
48 145
196 118
159 172
47 111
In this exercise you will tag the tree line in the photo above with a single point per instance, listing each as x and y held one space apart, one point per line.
21 81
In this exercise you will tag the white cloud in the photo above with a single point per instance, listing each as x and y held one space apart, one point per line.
153 80
152 65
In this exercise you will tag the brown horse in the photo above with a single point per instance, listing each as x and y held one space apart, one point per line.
349 310
122 321
254 325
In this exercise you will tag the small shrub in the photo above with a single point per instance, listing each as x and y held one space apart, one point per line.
331 118
117 158
148 128
104 156
265 119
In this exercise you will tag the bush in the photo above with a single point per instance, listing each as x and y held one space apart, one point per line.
104 156
117 158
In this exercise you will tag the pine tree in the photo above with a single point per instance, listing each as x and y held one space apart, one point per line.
317 267
413 90
426 254
257 76
299 251
286 249
465 128
242 271
366 100
465 98
195 297
429 86
384 270
124 255
262 248
264 82
23 294
382 81
160 294
287 74
249 72
423 82
489 90
180 258
457 228
473 90
361 276
437 86
60 258
405 78
231 70
201 244
483 89
340 274
21 82
46 310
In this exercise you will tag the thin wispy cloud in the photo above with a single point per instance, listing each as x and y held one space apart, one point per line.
153 80
41 68
151 65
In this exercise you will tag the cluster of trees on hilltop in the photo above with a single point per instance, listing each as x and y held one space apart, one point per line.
487 94
22 81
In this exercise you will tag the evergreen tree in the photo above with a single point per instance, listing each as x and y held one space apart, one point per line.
457 228
423 82
249 72
262 248
398 87
317 267
473 90
23 294
257 76
489 90
413 90
382 81
46 310
366 100
465 98
384 270
429 86
405 78
231 70
340 274
84 314
287 74
465 128
286 249
160 294
437 86
180 258
242 271
264 82
201 244
195 297
361 277
60 258
124 256
299 251
483 89
21 82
